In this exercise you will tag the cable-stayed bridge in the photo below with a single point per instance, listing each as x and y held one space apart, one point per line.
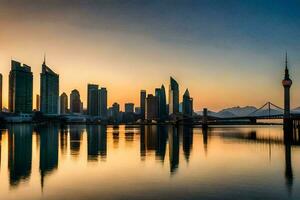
267 111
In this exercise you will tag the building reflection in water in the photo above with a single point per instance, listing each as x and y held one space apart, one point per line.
173 148
153 139
19 153
142 143
162 137
290 138
97 142
63 140
205 139
186 132
48 149
76 132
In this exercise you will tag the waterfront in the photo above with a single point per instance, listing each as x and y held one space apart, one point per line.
148 162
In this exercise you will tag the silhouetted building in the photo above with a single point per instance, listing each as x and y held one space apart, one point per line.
92 101
173 97
20 88
137 110
102 103
19 153
63 103
151 112
1 92
287 83
160 93
49 90
142 103
129 107
37 102
187 104
116 110
75 102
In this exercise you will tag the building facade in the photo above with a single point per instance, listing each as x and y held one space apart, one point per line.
102 103
187 104
142 103
20 88
49 90
75 102
129 107
92 101
63 103
173 97
151 112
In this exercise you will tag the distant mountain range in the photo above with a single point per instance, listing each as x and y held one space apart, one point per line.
245 111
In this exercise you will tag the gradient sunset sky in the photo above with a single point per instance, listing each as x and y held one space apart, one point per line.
227 53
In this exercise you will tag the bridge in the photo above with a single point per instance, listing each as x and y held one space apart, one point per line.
266 111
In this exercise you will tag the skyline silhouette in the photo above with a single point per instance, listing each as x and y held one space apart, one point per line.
220 51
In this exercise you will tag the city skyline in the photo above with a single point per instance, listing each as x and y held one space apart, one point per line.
208 48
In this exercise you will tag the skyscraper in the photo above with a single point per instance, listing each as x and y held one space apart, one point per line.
163 103
75 102
142 103
92 101
1 92
102 103
151 112
173 96
287 83
129 107
20 88
63 103
49 90
160 93
38 102
187 104
116 110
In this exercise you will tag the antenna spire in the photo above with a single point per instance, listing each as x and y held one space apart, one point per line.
286 60
44 59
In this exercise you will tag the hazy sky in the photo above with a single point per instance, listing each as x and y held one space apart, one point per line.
227 53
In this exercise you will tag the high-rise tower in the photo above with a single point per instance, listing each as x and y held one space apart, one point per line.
286 82
20 88
173 97
49 90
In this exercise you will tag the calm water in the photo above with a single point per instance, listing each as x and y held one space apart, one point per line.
148 162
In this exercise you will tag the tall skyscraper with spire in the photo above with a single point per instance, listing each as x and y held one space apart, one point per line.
20 88
173 97
287 83
49 90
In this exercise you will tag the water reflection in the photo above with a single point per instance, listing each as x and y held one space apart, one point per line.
19 153
173 148
48 135
169 145
76 132
97 142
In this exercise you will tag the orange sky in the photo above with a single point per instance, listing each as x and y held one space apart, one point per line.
126 61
